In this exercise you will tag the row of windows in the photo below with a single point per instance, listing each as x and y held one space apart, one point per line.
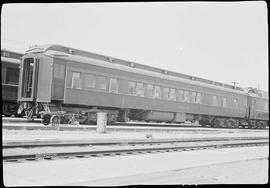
155 91
144 90
224 102
94 81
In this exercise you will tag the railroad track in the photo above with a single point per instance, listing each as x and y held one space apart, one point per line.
129 148
183 125
134 124
60 143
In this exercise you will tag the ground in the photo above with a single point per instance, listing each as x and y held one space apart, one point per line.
240 172
244 165
237 165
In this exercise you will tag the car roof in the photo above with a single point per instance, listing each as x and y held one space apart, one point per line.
111 62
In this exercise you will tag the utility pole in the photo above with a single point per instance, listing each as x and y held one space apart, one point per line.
234 84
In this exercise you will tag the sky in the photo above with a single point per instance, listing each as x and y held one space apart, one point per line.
220 41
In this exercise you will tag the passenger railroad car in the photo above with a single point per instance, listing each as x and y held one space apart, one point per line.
65 80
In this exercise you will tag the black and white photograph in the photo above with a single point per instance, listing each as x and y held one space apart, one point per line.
135 93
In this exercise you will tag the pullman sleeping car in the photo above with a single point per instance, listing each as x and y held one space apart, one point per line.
63 83
10 62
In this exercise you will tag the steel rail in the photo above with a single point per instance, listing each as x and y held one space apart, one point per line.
163 125
183 125
9 145
138 124
81 154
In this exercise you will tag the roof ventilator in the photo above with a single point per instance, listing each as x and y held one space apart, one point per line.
70 51
133 65
110 60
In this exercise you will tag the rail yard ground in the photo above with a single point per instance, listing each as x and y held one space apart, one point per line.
240 165
125 133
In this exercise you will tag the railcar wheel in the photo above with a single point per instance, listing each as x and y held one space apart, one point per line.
252 124
230 123
215 123
46 119
236 124
204 123
260 125
55 120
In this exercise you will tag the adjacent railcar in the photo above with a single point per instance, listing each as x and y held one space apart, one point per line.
59 80
258 114
10 62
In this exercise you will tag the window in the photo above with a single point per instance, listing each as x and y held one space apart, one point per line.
12 75
166 93
224 102
139 89
150 90
90 81
132 87
3 74
180 96
27 77
157 92
199 98
172 94
101 82
235 103
193 97
186 96
113 85
76 80
215 100
59 71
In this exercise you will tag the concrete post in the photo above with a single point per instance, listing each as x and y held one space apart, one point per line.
101 122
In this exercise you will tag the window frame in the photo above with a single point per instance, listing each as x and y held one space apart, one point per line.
79 78
186 96
172 95
224 102
11 72
150 91
199 98
87 81
235 103
116 85
130 86
165 93
98 79
180 95
215 100
157 90
140 89
193 97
